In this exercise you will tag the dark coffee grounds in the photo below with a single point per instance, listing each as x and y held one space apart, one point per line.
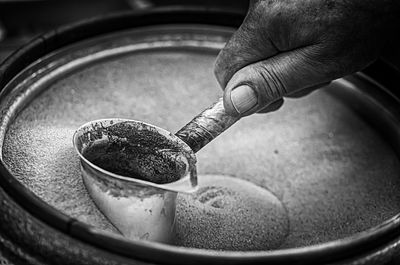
141 153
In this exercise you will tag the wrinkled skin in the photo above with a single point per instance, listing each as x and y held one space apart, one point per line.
291 47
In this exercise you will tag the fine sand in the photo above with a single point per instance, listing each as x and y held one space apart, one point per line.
230 214
332 172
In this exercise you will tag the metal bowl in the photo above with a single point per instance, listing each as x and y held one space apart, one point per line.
337 147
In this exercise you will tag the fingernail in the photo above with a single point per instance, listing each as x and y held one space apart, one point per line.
243 98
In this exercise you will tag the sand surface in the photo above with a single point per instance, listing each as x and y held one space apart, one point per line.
331 171
230 214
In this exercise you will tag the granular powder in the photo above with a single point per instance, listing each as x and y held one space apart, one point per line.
228 213
140 153
332 171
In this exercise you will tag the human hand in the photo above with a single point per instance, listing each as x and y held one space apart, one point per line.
291 47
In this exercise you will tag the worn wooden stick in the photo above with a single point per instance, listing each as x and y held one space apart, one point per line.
206 126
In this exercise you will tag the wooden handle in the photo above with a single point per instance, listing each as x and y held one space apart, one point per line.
206 126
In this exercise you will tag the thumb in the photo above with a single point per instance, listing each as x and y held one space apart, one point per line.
261 84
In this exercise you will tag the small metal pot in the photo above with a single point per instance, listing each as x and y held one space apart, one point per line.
139 208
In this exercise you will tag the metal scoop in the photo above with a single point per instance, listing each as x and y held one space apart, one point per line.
133 170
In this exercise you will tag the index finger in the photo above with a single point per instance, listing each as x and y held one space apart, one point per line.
249 44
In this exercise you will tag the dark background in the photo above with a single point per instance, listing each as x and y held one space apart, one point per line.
21 20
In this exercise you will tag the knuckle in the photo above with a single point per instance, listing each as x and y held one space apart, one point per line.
222 69
270 82
218 73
